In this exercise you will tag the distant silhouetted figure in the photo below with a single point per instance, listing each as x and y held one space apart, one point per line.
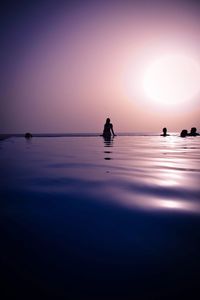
28 135
164 132
108 129
193 132
184 133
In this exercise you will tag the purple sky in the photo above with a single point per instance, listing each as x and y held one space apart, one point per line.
67 67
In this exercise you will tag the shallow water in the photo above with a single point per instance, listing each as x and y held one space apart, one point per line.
86 217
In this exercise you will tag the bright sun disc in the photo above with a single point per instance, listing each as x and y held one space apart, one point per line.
172 79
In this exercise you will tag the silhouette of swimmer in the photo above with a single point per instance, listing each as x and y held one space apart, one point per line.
28 135
193 132
184 133
164 132
108 130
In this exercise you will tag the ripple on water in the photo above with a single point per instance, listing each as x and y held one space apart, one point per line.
146 172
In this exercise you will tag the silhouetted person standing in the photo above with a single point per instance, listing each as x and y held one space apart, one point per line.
108 129
164 132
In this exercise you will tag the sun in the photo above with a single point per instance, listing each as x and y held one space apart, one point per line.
172 80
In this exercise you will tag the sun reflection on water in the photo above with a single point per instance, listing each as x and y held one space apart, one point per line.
168 182
169 179
176 205
160 204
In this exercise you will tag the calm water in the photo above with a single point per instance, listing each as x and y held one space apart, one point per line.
83 217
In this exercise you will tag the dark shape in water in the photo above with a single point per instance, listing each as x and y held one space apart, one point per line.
164 132
193 132
28 135
108 129
184 133
108 141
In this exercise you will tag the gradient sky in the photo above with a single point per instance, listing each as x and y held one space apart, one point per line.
66 66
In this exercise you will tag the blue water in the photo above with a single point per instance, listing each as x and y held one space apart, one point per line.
86 218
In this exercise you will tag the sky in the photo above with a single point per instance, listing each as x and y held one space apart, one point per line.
67 66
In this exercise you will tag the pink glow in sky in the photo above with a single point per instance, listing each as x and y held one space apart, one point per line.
69 69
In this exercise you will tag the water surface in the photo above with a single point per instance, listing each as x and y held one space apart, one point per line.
85 217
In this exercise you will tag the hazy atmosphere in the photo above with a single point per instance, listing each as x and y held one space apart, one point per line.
65 67
100 149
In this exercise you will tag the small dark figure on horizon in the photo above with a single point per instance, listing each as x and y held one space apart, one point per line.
108 129
164 132
28 135
193 132
184 133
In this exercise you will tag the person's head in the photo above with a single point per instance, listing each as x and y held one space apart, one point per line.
28 135
184 133
107 120
164 130
193 130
